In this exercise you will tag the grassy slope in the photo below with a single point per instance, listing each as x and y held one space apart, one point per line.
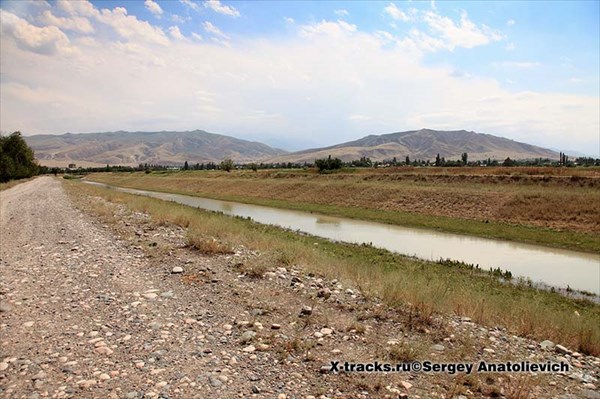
12 183
356 198
422 287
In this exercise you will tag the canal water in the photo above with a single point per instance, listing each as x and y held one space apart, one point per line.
554 267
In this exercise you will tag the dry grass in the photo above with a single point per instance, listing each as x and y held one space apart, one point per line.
424 288
403 352
255 267
207 245
12 183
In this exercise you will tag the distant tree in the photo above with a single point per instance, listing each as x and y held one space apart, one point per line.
253 166
328 164
508 162
186 166
227 165
407 160
464 157
16 158
438 160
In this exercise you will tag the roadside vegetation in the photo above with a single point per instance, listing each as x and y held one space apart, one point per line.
534 205
421 289
12 183
16 158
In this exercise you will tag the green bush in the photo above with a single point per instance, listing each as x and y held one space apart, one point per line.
328 164
16 158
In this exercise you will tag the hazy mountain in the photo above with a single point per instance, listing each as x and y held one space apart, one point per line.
133 148
424 144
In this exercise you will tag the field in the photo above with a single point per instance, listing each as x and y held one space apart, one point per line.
418 289
558 207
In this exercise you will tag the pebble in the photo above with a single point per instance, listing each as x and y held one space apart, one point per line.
247 336
306 311
5 307
438 348
177 270
3 366
28 324
547 344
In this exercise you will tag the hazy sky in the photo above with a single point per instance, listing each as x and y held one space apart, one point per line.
304 73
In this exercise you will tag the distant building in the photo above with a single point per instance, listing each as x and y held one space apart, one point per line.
72 166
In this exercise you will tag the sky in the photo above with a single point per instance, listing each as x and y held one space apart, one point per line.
303 74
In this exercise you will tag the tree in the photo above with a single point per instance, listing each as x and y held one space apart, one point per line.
186 166
328 164
508 162
227 165
16 158
407 160
438 160
464 157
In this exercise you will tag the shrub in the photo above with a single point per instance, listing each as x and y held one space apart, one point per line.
328 164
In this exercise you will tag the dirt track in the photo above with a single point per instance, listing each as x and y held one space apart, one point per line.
87 312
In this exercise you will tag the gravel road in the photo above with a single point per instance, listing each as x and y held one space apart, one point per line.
94 310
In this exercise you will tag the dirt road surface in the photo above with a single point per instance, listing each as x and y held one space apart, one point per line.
93 310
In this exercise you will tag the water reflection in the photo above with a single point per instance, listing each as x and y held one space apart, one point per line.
327 220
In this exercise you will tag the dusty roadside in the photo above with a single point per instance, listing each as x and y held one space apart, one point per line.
98 309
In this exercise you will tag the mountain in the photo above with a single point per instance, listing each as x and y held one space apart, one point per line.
423 144
133 148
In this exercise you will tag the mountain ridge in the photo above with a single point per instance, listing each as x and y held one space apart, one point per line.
424 144
174 148
133 148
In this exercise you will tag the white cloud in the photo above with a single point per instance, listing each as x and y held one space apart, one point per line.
76 23
288 20
341 12
510 22
517 64
360 118
393 11
191 4
81 7
220 8
197 36
210 28
176 33
153 7
328 28
46 40
178 19
465 34
510 46
131 28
